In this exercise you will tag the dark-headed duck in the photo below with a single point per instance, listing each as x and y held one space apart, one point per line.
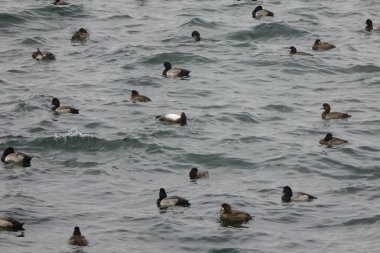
289 196
196 174
80 35
371 26
327 114
229 216
173 118
164 201
62 109
331 141
293 50
136 97
11 224
197 36
43 55
259 12
77 238
170 72
10 156
319 45
59 2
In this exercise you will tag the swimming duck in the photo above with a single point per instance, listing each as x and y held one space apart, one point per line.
135 97
174 118
10 156
77 238
259 12
197 36
289 196
164 201
371 26
11 224
319 45
43 55
80 35
329 140
333 115
60 2
62 109
196 174
169 72
229 215
293 50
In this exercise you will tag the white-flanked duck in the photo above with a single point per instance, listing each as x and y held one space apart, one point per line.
62 109
289 196
174 72
164 201
10 156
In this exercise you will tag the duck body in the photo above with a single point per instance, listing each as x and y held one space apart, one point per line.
331 141
174 72
233 216
196 35
10 224
371 26
62 109
196 174
173 118
319 45
164 201
293 51
77 238
259 12
60 3
43 55
80 35
327 114
136 97
289 196
10 156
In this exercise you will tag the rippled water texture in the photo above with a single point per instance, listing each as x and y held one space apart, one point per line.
254 122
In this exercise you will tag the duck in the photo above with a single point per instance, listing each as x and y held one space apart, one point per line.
11 224
62 109
80 35
196 174
327 114
77 238
173 118
170 72
289 196
164 201
259 12
331 141
136 97
293 50
197 36
371 26
60 2
229 215
319 45
10 156
43 55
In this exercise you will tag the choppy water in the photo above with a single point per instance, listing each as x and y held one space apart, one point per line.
253 122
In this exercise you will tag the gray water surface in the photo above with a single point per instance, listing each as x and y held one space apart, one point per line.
254 122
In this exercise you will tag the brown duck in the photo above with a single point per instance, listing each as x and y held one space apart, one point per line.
319 45
136 97
331 141
77 238
327 114
229 215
